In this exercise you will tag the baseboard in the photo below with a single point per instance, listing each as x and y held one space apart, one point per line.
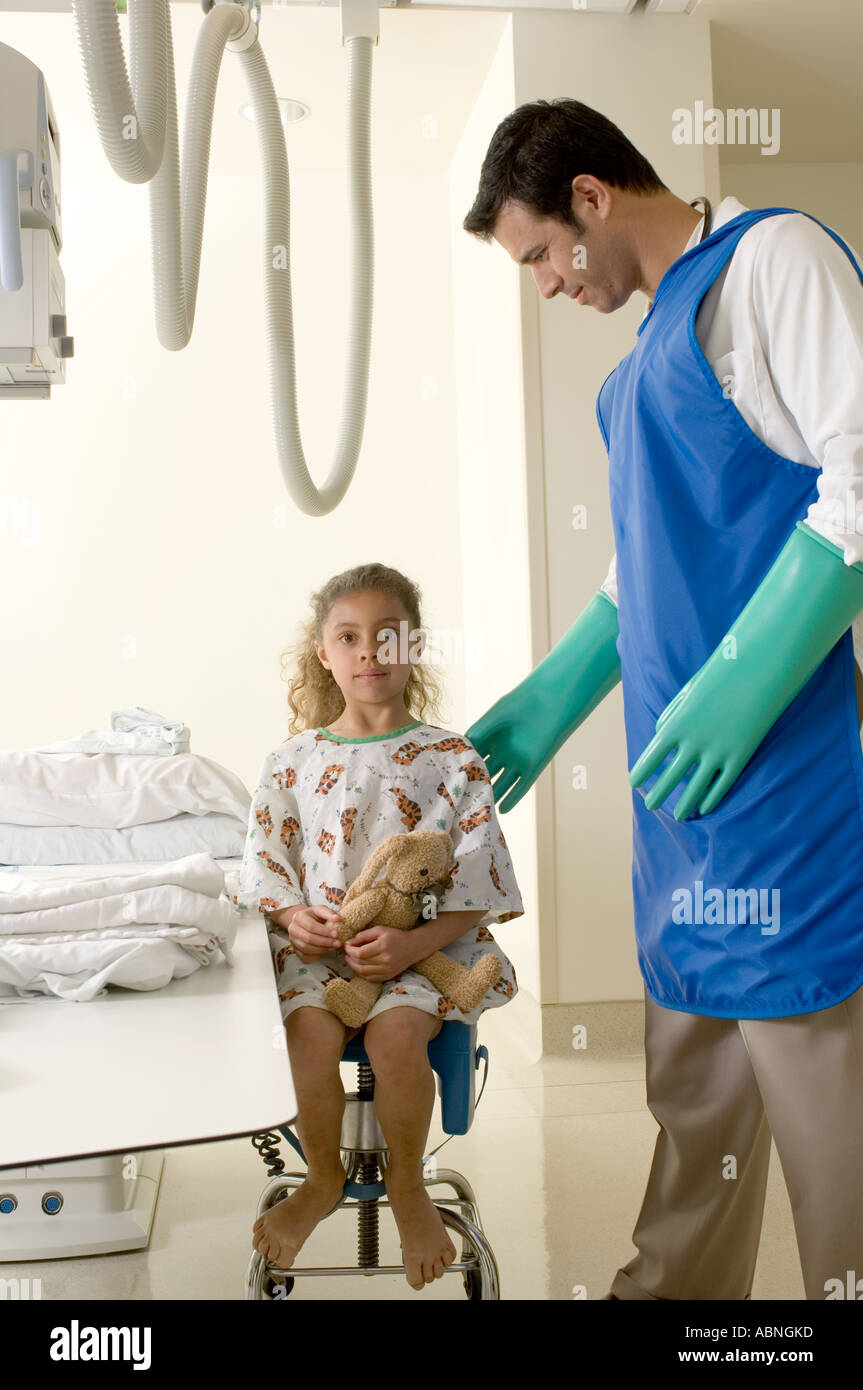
609 1029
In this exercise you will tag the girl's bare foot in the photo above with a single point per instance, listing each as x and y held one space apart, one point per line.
281 1231
426 1248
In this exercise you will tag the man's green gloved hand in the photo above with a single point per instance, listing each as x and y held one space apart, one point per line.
802 607
522 732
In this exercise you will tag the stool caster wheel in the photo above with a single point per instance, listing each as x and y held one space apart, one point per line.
480 1282
263 1286
259 1283
276 1289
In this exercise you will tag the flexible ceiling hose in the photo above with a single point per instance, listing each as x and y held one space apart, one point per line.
138 127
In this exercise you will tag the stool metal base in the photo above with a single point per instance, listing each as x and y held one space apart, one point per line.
365 1156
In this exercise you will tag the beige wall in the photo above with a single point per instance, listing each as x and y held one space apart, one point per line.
831 192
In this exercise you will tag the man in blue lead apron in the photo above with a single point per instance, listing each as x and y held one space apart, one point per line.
731 636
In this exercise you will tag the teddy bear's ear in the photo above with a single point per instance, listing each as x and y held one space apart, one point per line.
375 863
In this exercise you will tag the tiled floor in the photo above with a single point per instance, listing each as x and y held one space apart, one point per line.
558 1156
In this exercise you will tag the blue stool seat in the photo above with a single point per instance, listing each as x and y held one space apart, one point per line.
454 1056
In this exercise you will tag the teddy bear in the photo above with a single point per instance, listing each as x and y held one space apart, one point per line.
415 865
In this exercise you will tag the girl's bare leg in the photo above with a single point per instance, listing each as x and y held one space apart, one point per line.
396 1043
316 1041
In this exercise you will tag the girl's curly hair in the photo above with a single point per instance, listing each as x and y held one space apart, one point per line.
313 695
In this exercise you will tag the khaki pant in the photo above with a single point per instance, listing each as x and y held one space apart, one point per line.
719 1088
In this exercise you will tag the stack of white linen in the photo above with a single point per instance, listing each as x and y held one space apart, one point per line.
98 808
71 937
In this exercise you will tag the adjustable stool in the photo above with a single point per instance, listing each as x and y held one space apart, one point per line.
454 1057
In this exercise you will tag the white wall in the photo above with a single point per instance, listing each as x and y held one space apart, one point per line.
500 592
170 566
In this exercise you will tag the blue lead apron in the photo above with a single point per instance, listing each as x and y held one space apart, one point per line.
756 910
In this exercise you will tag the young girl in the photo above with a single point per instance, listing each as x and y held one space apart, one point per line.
367 766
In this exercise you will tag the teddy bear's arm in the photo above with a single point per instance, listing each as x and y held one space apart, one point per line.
359 912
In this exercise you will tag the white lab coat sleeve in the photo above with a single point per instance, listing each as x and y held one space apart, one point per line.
482 874
609 584
808 302
272 858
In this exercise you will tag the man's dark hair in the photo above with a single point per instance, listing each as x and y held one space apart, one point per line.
539 149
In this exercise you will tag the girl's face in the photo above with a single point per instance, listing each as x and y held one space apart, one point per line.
367 645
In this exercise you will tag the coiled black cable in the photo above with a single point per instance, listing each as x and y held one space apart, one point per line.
267 1145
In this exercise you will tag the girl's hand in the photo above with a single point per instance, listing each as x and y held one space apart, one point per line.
313 933
379 953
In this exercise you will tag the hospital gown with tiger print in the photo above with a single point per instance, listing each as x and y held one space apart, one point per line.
323 805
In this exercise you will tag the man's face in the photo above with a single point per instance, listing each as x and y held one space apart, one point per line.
592 266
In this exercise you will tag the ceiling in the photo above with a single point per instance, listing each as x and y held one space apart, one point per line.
801 56
308 63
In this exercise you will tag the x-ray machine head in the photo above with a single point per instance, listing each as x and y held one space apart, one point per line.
33 339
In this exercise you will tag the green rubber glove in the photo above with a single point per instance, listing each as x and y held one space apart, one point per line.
522 732
802 607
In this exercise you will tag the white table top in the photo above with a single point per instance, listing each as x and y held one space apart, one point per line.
203 1058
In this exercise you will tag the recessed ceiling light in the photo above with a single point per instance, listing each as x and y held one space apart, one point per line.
290 111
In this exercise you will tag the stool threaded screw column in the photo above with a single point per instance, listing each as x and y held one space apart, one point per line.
367 1172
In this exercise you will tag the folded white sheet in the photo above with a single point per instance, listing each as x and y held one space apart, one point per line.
221 836
72 936
114 789
80 971
166 903
198 873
